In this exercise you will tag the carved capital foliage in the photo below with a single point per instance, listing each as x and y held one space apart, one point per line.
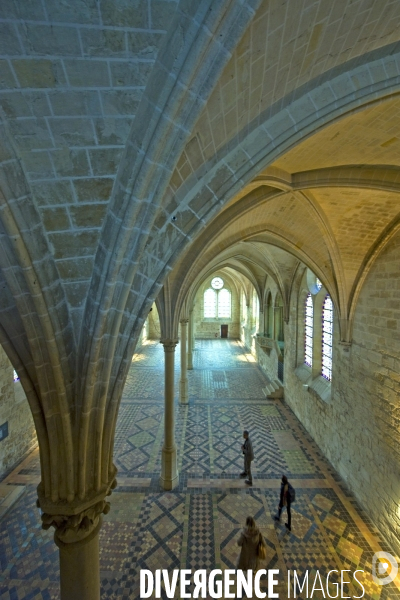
169 345
73 522
75 528
184 321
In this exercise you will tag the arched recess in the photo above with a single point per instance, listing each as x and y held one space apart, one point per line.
211 268
246 259
278 318
381 243
379 178
195 265
226 306
269 316
267 259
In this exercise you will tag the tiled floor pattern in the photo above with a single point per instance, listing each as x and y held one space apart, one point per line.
197 525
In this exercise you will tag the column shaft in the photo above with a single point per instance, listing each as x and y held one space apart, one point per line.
193 342
79 568
169 464
190 342
183 384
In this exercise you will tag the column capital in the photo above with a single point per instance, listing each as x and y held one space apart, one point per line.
169 344
346 345
77 520
184 321
78 528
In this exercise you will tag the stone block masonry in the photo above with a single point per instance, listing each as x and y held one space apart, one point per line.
358 430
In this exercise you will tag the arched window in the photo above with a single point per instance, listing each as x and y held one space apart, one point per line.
278 318
217 303
16 377
327 335
210 304
308 330
270 311
224 304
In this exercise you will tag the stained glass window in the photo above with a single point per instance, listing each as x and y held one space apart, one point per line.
327 334
308 330
210 304
224 304
16 378
318 283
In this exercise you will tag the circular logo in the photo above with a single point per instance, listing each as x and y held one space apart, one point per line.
381 561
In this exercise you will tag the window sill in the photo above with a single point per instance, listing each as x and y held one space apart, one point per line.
318 387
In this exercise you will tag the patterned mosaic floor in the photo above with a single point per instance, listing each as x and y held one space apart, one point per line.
197 525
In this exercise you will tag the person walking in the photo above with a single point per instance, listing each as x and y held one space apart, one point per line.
285 502
248 455
253 547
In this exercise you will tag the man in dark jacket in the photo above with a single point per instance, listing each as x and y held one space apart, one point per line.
285 502
248 455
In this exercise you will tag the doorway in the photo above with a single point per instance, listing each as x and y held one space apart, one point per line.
224 331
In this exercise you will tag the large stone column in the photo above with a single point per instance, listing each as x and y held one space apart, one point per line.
190 341
169 464
183 384
193 332
77 537
79 567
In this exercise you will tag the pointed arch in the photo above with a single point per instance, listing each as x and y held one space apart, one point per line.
327 338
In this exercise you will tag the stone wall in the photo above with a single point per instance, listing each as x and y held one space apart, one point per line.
266 353
247 328
154 327
357 426
15 411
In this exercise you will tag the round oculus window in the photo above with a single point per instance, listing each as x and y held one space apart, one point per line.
217 283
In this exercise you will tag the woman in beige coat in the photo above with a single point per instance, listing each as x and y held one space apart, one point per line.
249 540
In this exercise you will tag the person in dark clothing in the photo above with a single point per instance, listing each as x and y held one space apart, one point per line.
284 502
248 455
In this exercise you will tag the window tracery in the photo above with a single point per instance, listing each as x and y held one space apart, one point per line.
308 330
210 304
327 338
218 301
224 304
